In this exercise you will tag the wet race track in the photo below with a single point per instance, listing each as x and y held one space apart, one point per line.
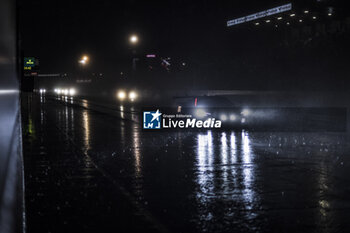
91 171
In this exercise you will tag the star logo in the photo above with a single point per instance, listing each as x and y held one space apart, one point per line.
152 119
156 115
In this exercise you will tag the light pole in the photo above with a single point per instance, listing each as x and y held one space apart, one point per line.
84 60
134 40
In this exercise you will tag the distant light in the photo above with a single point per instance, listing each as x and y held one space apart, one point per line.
306 12
223 117
200 113
183 63
288 23
276 26
132 95
314 17
150 55
65 91
233 117
82 62
85 58
257 23
179 108
243 120
121 95
268 21
279 18
300 20
329 14
42 90
246 112
292 15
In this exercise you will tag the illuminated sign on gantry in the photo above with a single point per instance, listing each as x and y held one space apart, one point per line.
261 14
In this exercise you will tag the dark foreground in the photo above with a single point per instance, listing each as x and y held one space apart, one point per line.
88 171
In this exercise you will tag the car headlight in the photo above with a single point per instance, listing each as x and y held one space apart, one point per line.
132 95
121 95
72 91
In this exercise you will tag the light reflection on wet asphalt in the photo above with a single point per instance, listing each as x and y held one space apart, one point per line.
214 181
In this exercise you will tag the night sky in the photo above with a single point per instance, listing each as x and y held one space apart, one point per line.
195 32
